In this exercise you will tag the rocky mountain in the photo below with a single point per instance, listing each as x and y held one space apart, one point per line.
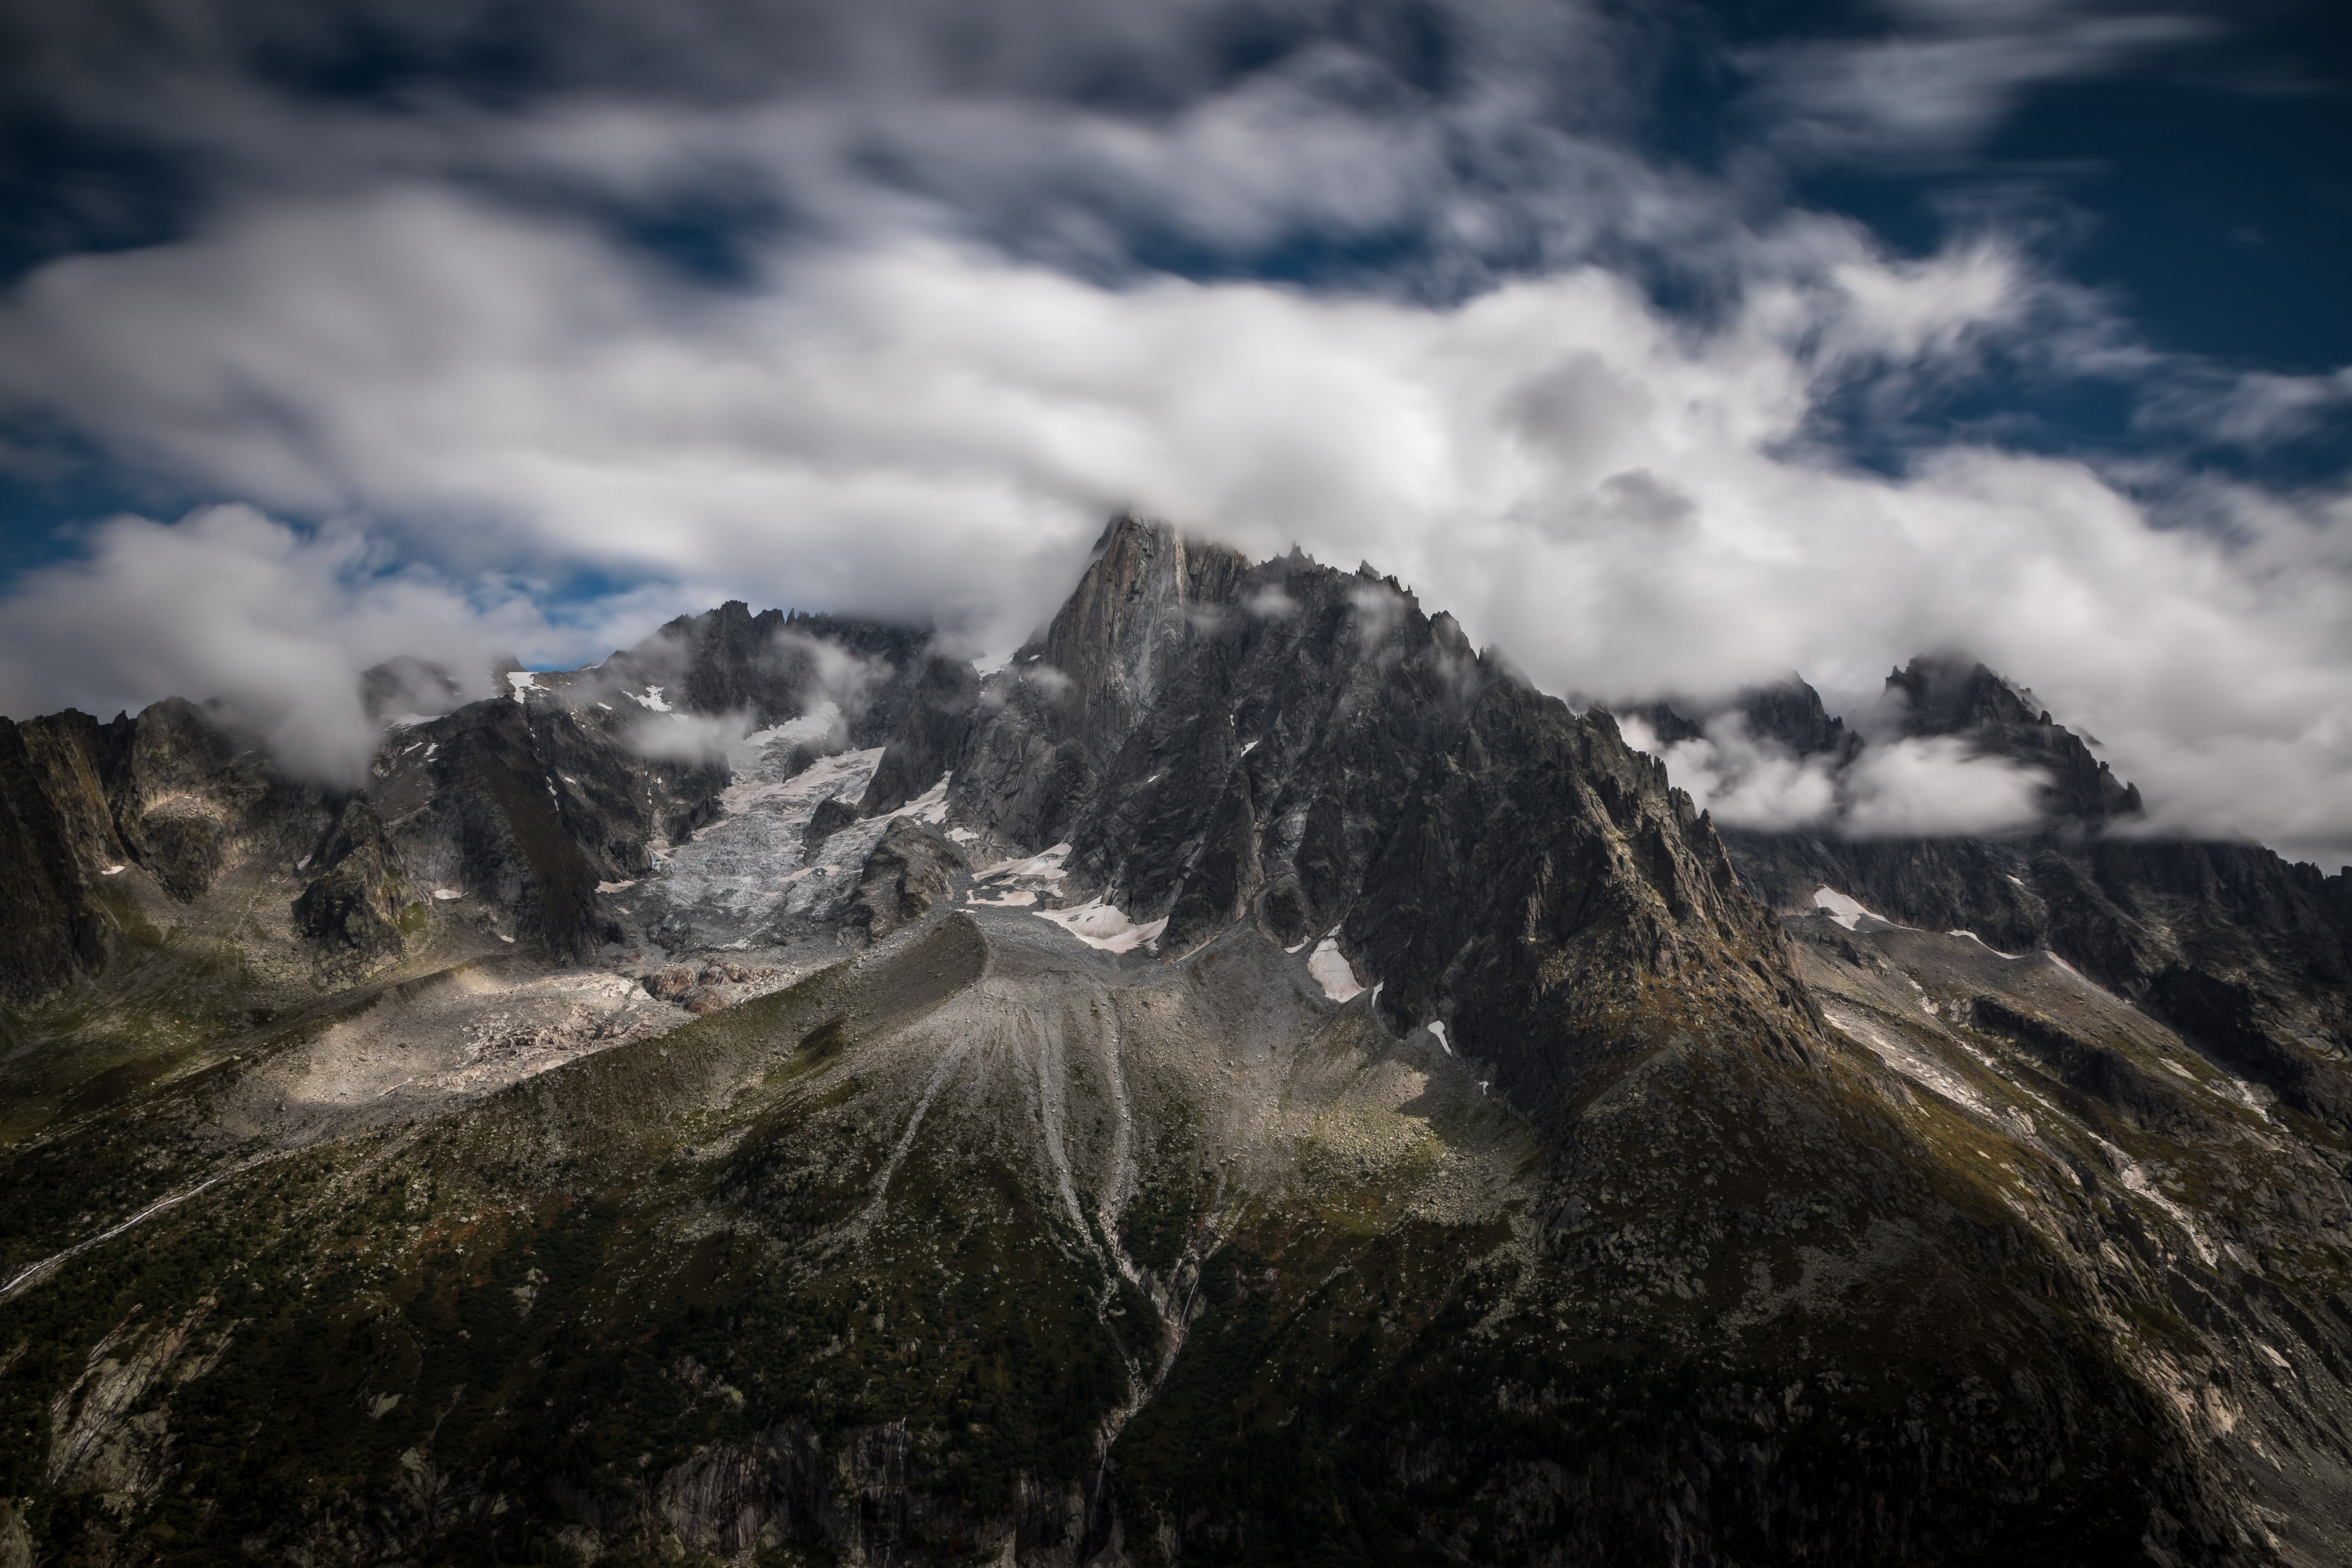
1252 1080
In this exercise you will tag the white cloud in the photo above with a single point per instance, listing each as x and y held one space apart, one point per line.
1896 787
230 604
1937 83
925 393
688 737
1935 785
1745 783
1628 504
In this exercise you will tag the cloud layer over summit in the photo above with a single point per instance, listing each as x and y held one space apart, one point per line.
429 327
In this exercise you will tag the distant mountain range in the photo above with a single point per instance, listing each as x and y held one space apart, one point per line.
1250 1080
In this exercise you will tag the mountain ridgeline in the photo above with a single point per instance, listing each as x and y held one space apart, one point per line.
1251 1081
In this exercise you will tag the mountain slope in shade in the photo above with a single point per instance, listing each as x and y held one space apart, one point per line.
1251 1081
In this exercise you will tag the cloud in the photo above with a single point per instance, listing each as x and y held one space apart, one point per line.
1936 785
1896 787
1743 781
688 737
1629 503
1945 73
228 604
1390 301
2254 410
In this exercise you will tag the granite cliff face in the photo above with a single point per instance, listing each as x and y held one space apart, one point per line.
1251 1080
2227 944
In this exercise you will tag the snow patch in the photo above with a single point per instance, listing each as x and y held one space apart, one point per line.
653 699
1988 947
521 681
446 893
616 886
1437 1028
1248 746
1105 925
119 870
1333 972
1850 912
930 805
1041 873
1013 898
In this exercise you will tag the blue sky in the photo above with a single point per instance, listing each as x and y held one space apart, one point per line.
1671 346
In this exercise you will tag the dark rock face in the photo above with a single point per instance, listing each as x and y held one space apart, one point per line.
832 814
911 869
772 665
1304 750
1947 697
1789 713
173 792
2246 955
525 806
353 906
56 931
930 725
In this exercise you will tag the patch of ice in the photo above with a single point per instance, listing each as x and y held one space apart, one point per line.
1437 1028
616 886
504 938
1248 746
2176 1067
1333 972
930 805
1105 925
1040 872
607 706
119 870
302 865
431 749
1850 912
652 699
521 681
961 835
1015 898
446 893
1988 947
